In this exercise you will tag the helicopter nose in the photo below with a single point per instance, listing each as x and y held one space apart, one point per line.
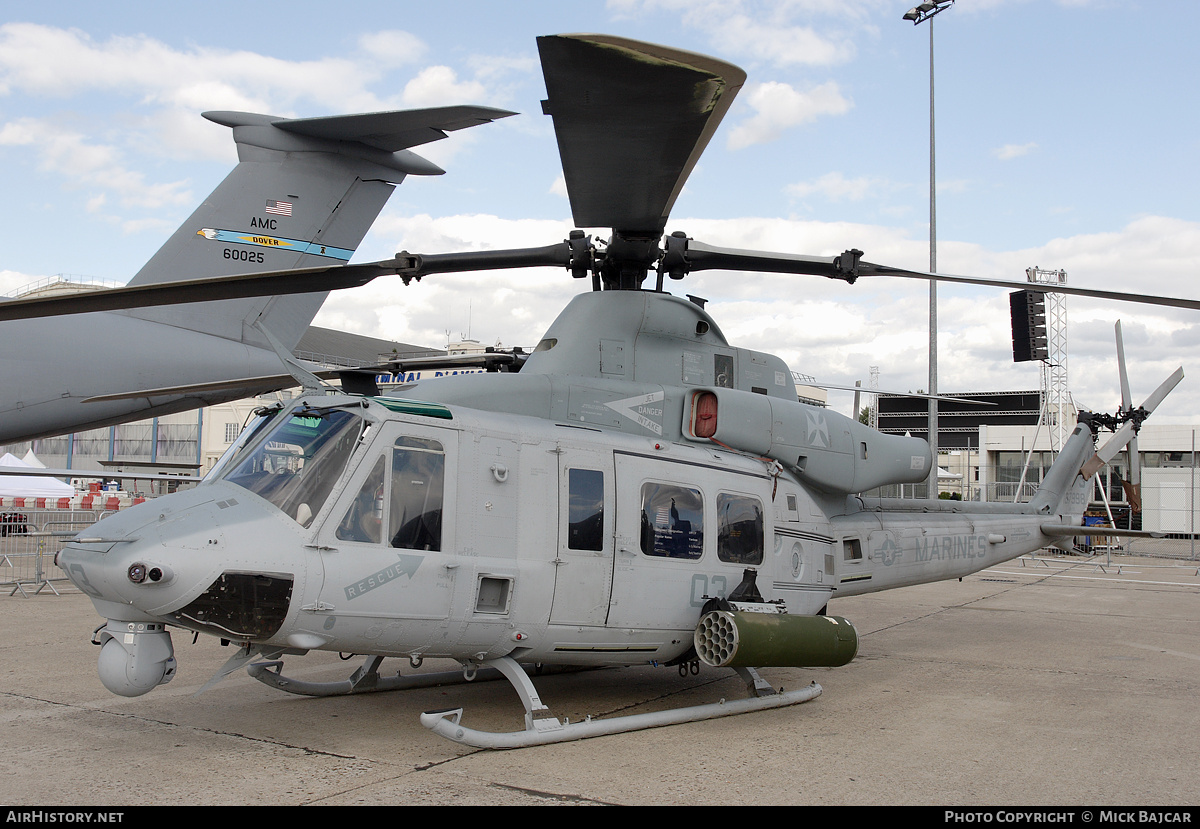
123 564
151 566
140 562
148 567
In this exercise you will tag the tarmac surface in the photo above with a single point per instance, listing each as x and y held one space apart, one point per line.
1038 682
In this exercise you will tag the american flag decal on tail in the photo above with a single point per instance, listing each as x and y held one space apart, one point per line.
280 208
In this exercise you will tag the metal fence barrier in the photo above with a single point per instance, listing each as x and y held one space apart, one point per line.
29 538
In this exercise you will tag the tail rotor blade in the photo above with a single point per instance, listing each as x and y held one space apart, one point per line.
1162 391
1135 461
1126 433
1108 451
1126 401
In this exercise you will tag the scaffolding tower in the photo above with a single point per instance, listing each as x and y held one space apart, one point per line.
1057 409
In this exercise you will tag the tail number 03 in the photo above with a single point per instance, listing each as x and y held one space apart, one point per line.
708 587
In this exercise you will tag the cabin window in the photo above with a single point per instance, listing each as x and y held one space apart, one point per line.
585 519
296 467
739 529
851 549
672 521
364 520
418 484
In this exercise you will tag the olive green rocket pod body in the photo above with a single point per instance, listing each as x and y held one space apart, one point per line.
733 639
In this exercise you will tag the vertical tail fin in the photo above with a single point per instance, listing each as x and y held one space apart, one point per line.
1064 490
304 194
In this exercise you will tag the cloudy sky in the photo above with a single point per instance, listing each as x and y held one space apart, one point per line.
1067 138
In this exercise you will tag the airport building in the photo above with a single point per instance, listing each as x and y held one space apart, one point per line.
1001 451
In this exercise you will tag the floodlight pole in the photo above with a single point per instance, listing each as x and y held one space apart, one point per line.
919 14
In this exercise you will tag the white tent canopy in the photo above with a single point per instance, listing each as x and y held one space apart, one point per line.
30 486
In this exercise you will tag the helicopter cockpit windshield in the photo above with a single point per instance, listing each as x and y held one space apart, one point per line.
298 463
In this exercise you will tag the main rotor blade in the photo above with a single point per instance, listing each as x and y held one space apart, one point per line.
870 269
278 283
919 395
702 257
266 283
631 120
697 256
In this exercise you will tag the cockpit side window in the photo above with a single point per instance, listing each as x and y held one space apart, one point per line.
585 521
296 467
363 522
258 421
417 494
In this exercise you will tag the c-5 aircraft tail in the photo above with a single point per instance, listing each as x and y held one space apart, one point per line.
304 194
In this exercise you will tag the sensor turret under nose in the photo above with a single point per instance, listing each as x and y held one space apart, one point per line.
135 657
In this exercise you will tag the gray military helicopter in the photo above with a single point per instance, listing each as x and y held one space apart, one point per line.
304 193
640 492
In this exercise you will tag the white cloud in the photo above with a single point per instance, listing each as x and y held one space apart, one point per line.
12 281
781 45
153 92
440 86
836 187
768 32
779 107
393 47
1010 151
90 165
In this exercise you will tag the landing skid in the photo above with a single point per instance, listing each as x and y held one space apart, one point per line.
543 729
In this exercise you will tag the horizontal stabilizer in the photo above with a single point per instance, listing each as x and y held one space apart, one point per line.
393 131
388 131
1067 530
245 386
